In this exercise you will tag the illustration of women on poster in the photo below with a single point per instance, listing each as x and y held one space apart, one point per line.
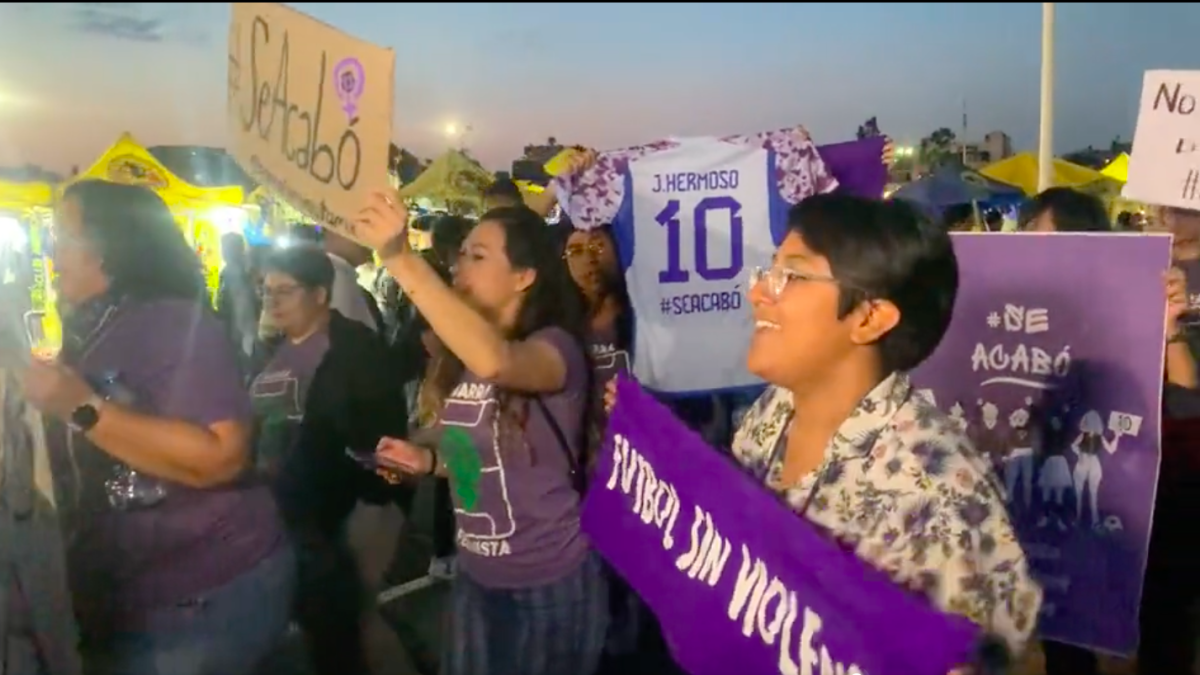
1054 477
1018 466
1088 472
985 432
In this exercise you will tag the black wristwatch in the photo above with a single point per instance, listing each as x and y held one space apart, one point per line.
86 416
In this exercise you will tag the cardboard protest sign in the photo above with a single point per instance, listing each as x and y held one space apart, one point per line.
310 111
1164 167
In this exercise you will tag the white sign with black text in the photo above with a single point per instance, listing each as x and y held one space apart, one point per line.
1164 167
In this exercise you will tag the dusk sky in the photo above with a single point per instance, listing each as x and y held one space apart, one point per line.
73 76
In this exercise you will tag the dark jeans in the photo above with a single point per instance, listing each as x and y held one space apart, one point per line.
1171 590
330 599
635 644
228 631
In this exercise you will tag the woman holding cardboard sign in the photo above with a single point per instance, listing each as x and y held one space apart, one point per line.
530 596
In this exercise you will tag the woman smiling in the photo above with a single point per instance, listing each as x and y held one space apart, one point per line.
530 596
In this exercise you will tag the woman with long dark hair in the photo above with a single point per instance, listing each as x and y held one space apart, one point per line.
591 257
176 564
530 596
633 643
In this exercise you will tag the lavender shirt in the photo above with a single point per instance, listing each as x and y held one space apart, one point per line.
177 361
279 393
516 508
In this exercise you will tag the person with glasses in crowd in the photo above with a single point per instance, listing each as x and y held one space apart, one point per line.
860 292
177 563
327 391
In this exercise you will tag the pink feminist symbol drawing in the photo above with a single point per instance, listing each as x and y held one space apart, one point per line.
349 79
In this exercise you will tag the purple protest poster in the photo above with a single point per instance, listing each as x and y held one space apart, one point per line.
739 582
1054 363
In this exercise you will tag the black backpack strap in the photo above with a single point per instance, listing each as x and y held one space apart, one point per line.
578 475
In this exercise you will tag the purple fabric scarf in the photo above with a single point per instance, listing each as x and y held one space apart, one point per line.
739 582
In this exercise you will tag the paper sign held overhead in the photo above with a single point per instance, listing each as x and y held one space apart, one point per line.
1164 167
310 111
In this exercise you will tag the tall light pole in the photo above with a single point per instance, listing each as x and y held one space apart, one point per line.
1046 127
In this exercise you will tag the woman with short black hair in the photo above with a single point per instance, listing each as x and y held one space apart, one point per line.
327 389
859 293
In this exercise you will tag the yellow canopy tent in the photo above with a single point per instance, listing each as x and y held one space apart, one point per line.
1118 169
1021 170
452 180
203 213
127 161
23 196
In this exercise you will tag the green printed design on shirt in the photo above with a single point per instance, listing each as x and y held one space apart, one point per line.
463 465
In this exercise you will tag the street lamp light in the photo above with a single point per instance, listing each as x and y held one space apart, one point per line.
909 155
456 134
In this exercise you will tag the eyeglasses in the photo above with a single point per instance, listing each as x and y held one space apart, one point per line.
595 248
278 293
777 278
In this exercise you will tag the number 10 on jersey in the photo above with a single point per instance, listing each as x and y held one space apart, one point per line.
672 219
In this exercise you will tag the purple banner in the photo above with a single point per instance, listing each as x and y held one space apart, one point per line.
858 166
1054 362
739 582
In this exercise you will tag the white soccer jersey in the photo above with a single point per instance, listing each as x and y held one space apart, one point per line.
690 218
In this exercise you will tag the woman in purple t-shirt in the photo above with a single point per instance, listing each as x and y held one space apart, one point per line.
176 566
530 596
591 258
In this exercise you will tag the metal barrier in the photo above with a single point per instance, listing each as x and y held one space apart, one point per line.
440 569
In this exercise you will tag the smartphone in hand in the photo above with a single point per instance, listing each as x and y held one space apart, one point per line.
373 462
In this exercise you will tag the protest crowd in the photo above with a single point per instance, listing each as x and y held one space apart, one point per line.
698 406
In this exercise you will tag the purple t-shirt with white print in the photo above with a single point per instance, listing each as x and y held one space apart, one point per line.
176 361
515 501
609 359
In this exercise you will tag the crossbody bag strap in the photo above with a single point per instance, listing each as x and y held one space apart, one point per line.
578 479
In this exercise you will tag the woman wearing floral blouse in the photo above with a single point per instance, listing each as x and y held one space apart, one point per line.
861 292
